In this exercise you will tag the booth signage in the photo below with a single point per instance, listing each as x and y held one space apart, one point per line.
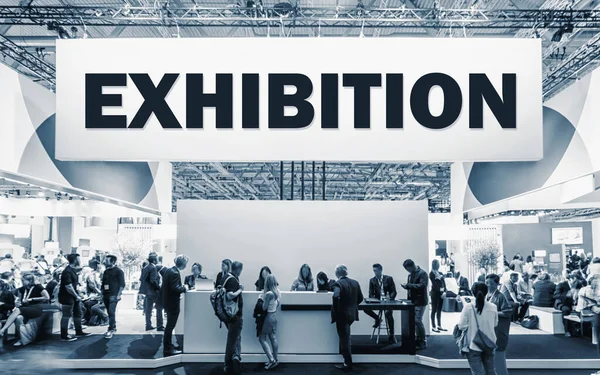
299 99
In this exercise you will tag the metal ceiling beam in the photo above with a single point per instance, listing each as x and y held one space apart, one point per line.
325 17
575 65
28 63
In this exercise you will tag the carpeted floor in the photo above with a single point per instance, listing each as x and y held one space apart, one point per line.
521 347
92 347
296 369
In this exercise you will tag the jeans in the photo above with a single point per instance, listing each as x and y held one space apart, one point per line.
111 309
500 363
69 311
149 303
481 363
436 309
420 337
233 348
389 318
519 314
172 317
343 331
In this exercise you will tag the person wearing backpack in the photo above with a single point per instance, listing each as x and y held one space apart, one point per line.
171 291
234 304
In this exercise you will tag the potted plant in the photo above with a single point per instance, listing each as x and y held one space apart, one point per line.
484 254
132 251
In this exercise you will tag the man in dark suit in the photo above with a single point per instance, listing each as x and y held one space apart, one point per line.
150 287
382 286
344 311
171 291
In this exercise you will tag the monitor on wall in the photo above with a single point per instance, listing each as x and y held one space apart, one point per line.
567 236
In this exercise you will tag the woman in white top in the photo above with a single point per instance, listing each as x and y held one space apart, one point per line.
268 334
483 316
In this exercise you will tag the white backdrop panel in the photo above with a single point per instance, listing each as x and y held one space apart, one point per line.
286 234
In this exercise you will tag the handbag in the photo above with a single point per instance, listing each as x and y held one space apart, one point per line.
531 322
481 339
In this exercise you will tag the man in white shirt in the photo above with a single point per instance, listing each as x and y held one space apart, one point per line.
7 264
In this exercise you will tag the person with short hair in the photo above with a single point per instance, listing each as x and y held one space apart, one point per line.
505 313
382 286
511 292
417 293
171 291
150 287
233 347
70 299
438 293
344 311
113 283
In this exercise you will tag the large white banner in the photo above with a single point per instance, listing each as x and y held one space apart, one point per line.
363 99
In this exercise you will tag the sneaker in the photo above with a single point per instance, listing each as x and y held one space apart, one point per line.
160 329
149 328
68 338
442 329
82 334
109 334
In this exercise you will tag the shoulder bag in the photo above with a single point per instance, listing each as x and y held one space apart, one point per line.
481 339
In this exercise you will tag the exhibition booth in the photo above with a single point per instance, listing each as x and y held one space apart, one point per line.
119 160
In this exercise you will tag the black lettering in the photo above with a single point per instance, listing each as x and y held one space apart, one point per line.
154 101
394 98
504 109
250 101
419 101
95 100
329 101
221 100
278 101
362 84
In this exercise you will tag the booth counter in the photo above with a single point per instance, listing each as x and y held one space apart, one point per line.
304 325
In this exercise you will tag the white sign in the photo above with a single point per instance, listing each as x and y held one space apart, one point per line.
350 99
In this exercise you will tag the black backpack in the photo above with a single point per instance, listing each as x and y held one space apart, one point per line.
223 310
531 322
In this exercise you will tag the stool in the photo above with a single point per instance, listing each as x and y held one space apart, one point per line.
383 324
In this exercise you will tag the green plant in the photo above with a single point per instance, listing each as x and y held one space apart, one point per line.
132 249
484 254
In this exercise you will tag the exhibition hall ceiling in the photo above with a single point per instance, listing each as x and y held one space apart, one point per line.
569 29
342 181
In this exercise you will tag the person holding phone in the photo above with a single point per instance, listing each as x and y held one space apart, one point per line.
113 283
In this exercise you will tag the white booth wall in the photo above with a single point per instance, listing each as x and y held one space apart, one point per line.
286 234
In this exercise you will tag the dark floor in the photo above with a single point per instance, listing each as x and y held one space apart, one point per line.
521 347
297 369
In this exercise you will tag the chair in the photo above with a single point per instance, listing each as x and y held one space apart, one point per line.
382 325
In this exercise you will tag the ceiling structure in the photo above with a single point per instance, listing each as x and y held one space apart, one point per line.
314 181
569 29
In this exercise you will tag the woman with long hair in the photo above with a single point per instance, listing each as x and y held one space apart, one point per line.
262 277
304 282
438 291
225 270
480 316
268 334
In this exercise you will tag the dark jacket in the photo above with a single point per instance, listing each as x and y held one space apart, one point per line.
561 297
389 287
190 280
171 289
463 286
150 281
417 287
346 298
259 316
543 293
438 286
